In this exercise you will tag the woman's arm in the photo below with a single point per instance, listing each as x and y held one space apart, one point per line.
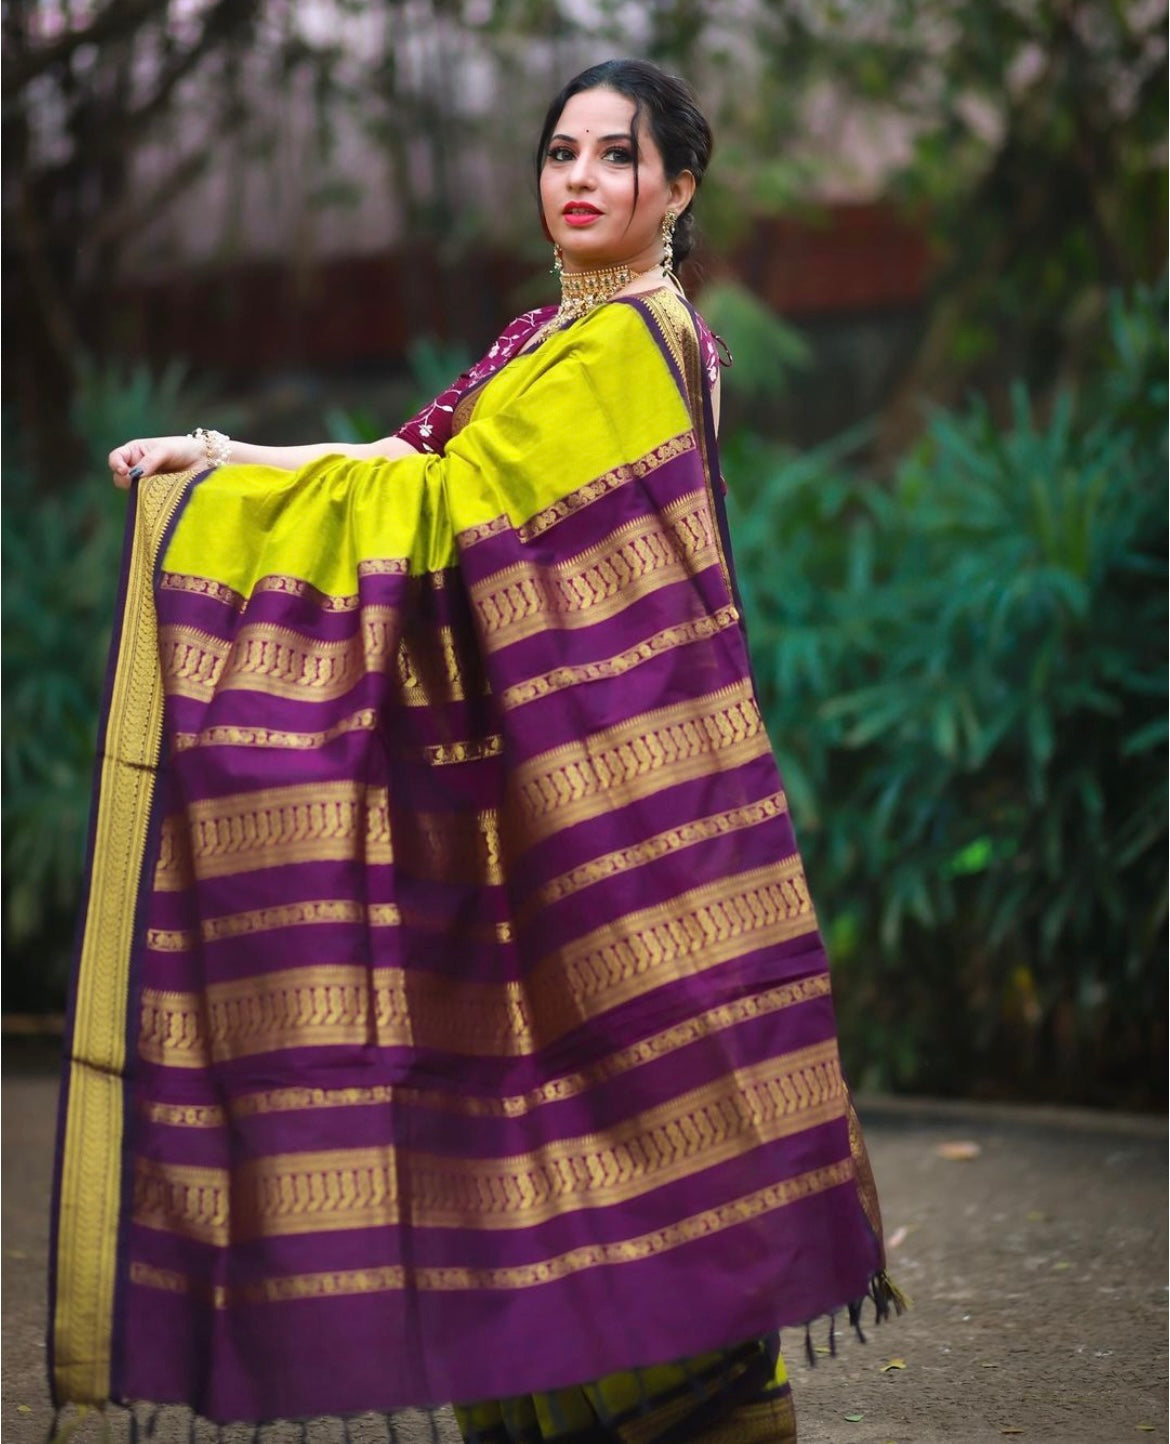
427 431
150 455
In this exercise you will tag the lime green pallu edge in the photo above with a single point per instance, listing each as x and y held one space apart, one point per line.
90 1178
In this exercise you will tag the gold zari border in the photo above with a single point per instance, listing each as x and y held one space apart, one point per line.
605 484
319 912
262 920
698 629
662 844
660 1045
364 720
627 957
584 496
636 560
301 1193
288 586
90 1188
277 660
252 830
653 1244
634 759
350 1004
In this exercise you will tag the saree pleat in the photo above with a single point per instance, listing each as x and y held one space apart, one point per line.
458 975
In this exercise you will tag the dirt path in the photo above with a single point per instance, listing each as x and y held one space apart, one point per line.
1037 1269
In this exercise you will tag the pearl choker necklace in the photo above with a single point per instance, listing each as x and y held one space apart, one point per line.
581 291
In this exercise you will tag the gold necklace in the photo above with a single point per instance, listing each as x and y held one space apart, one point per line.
581 291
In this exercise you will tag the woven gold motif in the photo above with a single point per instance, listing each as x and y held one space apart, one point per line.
180 1199
431 671
366 719
276 660
450 847
383 567
253 830
635 561
285 586
445 754
350 1004
647 1245
660 1045
863 1172
299 914
202 587
662 844
637 758
168 940
698 629
173 868
358 1188
603 485
700 929
182 1115
333 1005
482 531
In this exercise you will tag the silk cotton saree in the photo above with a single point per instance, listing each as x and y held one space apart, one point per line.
450 1018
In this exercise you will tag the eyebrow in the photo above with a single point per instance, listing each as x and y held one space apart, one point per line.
618 135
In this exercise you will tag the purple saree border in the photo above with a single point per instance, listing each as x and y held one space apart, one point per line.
710 445
112 658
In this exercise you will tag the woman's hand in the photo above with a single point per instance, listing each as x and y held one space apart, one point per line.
154 454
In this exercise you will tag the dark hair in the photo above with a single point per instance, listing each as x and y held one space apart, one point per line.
679 127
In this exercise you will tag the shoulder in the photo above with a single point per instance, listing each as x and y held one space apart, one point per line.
519 330
681 330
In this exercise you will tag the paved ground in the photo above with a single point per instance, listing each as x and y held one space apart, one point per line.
1037 1269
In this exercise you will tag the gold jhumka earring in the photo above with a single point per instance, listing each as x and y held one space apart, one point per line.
558 265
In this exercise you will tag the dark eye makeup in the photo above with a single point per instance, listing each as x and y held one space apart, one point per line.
620 154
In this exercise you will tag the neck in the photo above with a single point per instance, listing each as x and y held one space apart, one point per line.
582 291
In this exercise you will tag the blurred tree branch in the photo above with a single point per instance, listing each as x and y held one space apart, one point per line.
1039 158
1032 135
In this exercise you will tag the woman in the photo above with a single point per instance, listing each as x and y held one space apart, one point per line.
451 1019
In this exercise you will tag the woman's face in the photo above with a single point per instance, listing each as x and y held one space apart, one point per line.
587 185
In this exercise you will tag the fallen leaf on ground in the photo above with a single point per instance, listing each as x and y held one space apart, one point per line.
1037 1215
1011 1429
822 1349
893 1364
958 1150
1061 1266
1146 1428
854 1417
27 1409
897 1238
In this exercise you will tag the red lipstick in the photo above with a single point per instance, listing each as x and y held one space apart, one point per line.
579 213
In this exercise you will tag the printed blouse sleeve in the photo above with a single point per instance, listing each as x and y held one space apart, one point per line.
429 430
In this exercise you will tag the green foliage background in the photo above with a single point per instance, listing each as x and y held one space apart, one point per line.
962 665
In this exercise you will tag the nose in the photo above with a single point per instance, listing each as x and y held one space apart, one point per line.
581 171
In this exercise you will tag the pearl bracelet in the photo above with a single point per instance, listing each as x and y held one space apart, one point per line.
217 448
